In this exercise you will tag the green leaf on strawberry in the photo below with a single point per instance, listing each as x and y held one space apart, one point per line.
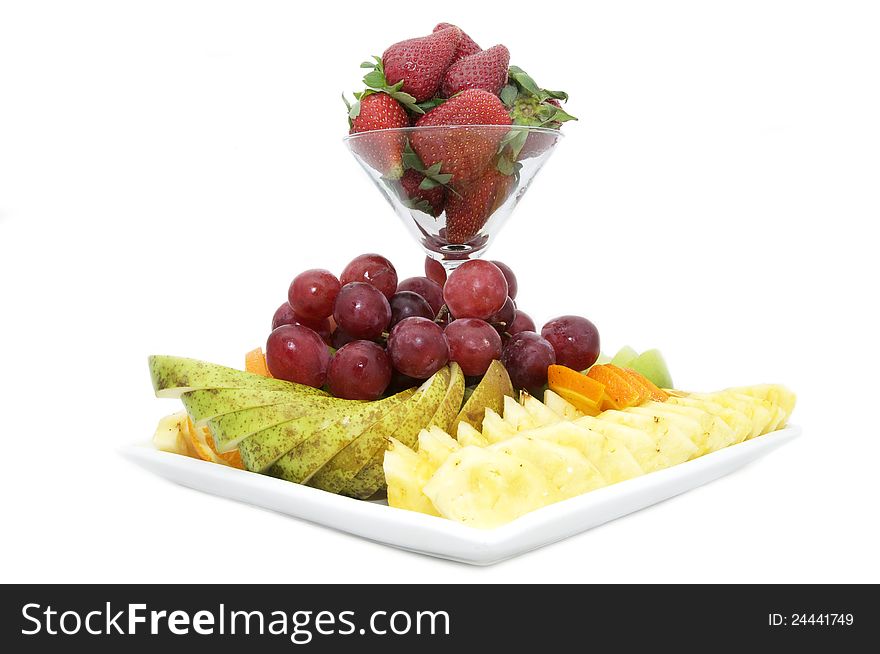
375 81
532 105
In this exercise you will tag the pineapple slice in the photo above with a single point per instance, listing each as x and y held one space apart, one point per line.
612 459
739 422
487 488
561 406
516 416
717 433
570 473
171 434
406 473
643 447
539 412
467 435
495 428
773 393
759 415
673 443
435 446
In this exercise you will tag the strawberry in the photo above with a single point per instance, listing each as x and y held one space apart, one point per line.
463 153
383 150
430 200
467 46
469 209
421 62
485 70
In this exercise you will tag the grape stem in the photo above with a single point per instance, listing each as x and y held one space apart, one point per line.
442 314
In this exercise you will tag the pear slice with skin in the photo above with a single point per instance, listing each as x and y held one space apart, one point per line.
448 410
489 394
174 376
371 478
308 456
338 472
262 449
205 404
230 429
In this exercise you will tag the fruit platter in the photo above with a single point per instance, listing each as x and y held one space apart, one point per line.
431 412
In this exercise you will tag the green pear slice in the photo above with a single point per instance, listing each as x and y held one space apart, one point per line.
310 454
489 393
208 403
445 416
652 365
338 472
173 376
370 479
230 429
262 449
624 357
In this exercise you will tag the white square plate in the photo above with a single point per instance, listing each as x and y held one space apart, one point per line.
444 538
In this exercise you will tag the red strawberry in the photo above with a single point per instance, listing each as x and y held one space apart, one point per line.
430 201
467 46
421 62
467 212
464 153
383 150
485 70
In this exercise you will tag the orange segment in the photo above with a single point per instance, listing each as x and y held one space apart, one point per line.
255 362
575 387
654 393
620 390
201 442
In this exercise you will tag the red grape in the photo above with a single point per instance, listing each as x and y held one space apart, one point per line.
401 382
504 318
374 269
435 271
522 322
473 344
428 289
575 341
340 338
362 311
418 347
406 303
512 286
285 315
312 293
527 357
360 370
476 289
297 354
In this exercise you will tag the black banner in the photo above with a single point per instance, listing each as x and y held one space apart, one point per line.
433 618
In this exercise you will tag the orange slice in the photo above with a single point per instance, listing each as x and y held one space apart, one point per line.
654 393
583 392
201 442
621 391
255 362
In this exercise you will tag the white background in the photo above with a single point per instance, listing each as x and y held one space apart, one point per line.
166 168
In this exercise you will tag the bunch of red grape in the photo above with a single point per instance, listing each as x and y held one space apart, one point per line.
389 336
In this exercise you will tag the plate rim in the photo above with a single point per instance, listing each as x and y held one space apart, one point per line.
474 538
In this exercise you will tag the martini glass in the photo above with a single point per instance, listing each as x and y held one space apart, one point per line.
454 186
